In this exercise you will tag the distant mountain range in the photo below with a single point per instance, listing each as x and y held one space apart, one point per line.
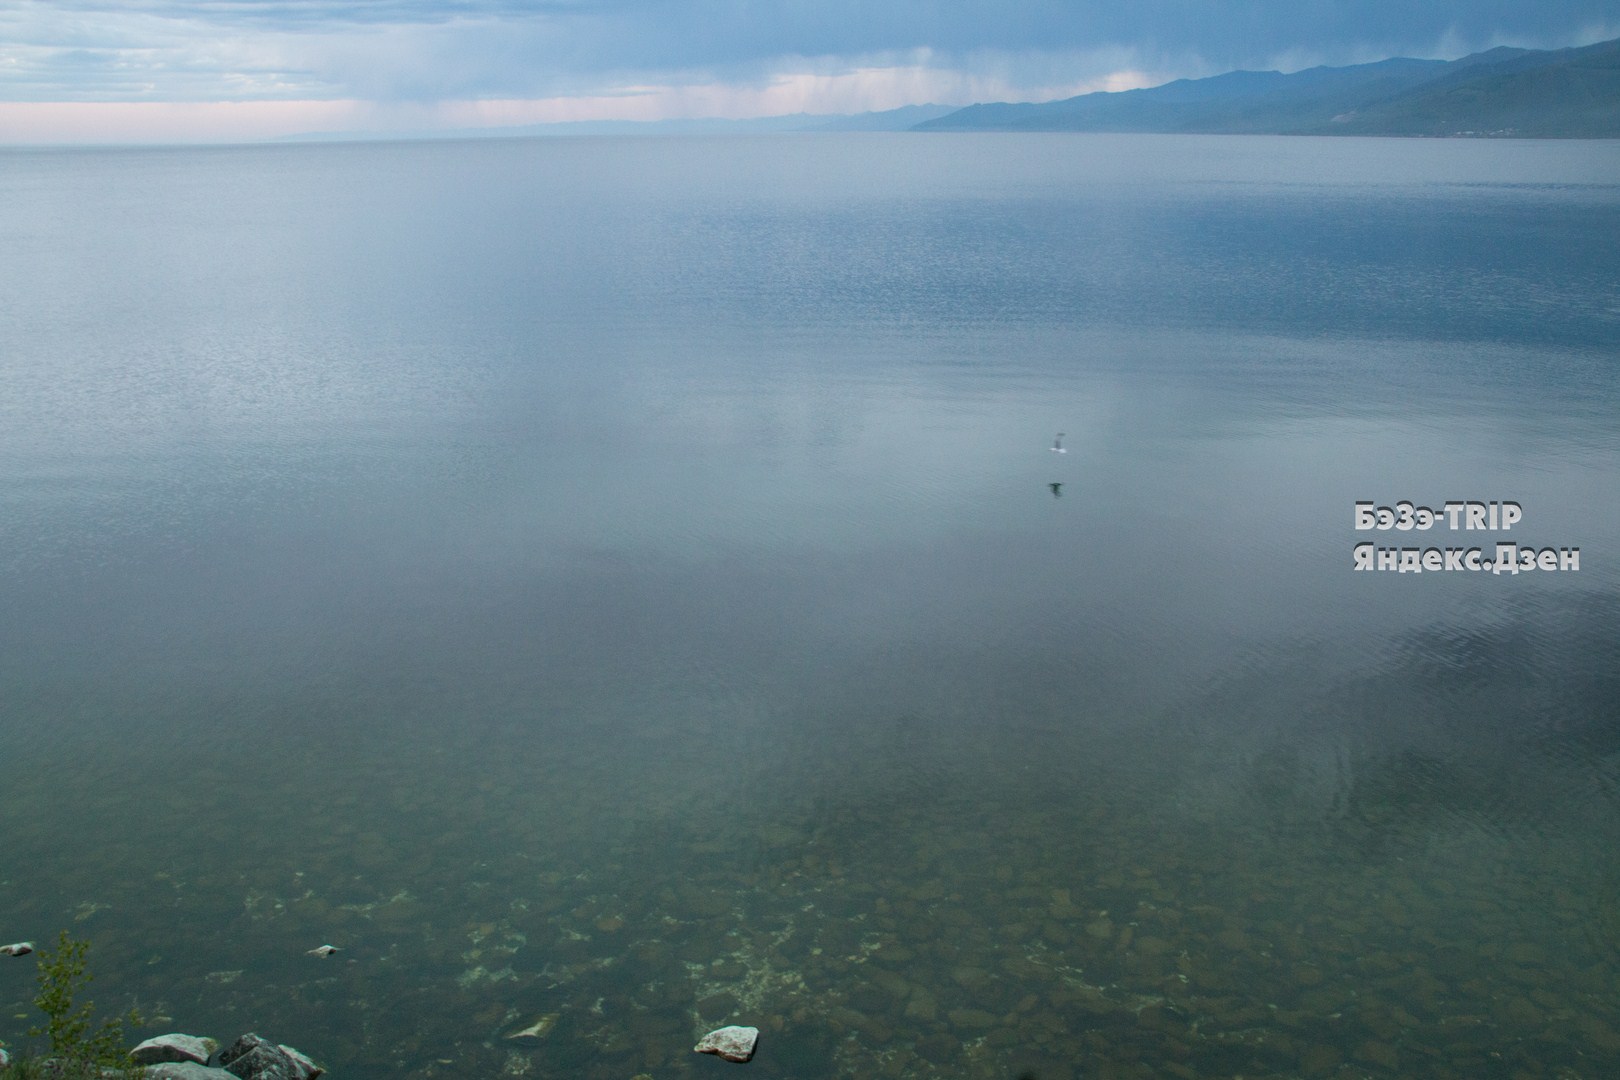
1523 93
1519 93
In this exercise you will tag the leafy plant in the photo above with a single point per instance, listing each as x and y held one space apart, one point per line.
78 1048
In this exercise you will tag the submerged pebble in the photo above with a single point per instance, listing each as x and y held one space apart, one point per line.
536 1031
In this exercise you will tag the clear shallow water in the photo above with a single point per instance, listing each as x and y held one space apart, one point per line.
620 580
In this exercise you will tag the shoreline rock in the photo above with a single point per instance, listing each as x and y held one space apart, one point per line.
161 1049
177 1056
253 1057
185 1070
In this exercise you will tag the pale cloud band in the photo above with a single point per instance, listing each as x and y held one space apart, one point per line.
862 89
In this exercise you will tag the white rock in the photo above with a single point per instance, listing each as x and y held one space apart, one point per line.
732 1043
21 948
185 1070
177 1047
323 951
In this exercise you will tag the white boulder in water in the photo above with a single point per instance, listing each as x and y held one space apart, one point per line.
732 1043
185 1070
21 948
173 1048
323 951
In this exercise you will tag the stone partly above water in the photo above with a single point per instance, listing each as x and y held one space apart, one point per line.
732 1043
185 1070
176 1047
254 1058
250 1058
188 1057
21 948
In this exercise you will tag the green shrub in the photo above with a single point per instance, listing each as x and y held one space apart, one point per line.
78 1048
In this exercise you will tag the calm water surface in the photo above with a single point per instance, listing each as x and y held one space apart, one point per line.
627 583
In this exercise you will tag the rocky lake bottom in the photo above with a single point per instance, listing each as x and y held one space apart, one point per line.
970 913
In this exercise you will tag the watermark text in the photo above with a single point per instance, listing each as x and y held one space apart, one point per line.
1457 515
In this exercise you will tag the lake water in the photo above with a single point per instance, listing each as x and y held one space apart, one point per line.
627 582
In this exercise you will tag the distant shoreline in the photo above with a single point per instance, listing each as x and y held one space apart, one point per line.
1503 93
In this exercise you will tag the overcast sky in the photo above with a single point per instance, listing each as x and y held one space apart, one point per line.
75 70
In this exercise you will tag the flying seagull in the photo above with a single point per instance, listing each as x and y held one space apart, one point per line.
1057 444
